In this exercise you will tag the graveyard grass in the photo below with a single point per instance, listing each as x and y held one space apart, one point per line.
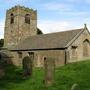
65 77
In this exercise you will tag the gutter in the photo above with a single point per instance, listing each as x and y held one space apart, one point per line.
65 57
39 49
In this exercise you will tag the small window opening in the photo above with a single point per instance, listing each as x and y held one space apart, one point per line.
12 18
27 18
44 58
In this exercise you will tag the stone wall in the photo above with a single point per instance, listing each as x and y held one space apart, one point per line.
19 30
74 53
76 49
57 55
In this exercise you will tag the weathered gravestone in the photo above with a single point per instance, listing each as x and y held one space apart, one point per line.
27 66
49 65
5 60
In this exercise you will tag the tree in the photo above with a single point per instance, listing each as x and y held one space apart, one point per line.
1 42
39 31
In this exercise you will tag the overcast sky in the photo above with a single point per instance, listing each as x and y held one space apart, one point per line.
53 15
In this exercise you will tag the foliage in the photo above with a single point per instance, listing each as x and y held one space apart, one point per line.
1 42
65 77
39 31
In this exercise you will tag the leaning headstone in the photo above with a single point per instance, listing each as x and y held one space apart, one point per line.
27 66
75 87
49 65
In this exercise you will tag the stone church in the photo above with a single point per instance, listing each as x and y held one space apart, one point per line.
21 40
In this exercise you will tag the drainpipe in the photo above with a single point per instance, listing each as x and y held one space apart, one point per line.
65 56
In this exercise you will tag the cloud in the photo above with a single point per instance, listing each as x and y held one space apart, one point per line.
54 26
78 1
56 6
75 13
17 1
49 26
74 1
78 13
1 28
13 0
87 1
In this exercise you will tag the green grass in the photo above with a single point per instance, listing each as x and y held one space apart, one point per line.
65 77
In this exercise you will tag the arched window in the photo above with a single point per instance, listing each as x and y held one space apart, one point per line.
27 18
86 40
86 44
12 18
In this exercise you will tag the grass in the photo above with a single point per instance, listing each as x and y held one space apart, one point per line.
65 77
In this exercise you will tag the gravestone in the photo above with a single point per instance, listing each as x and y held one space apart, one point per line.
5 60
27 66
49 65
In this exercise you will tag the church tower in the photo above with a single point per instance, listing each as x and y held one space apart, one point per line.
20 23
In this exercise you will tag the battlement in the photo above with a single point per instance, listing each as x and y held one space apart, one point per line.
22 8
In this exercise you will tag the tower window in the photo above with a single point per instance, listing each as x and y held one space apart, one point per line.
27 18
12 18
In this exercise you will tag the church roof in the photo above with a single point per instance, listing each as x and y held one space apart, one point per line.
49 41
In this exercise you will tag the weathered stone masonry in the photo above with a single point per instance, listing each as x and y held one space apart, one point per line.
21 40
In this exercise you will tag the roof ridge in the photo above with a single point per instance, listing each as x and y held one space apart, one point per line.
52 40
66 31
58 32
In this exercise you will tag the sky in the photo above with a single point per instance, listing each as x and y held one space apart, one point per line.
53 15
